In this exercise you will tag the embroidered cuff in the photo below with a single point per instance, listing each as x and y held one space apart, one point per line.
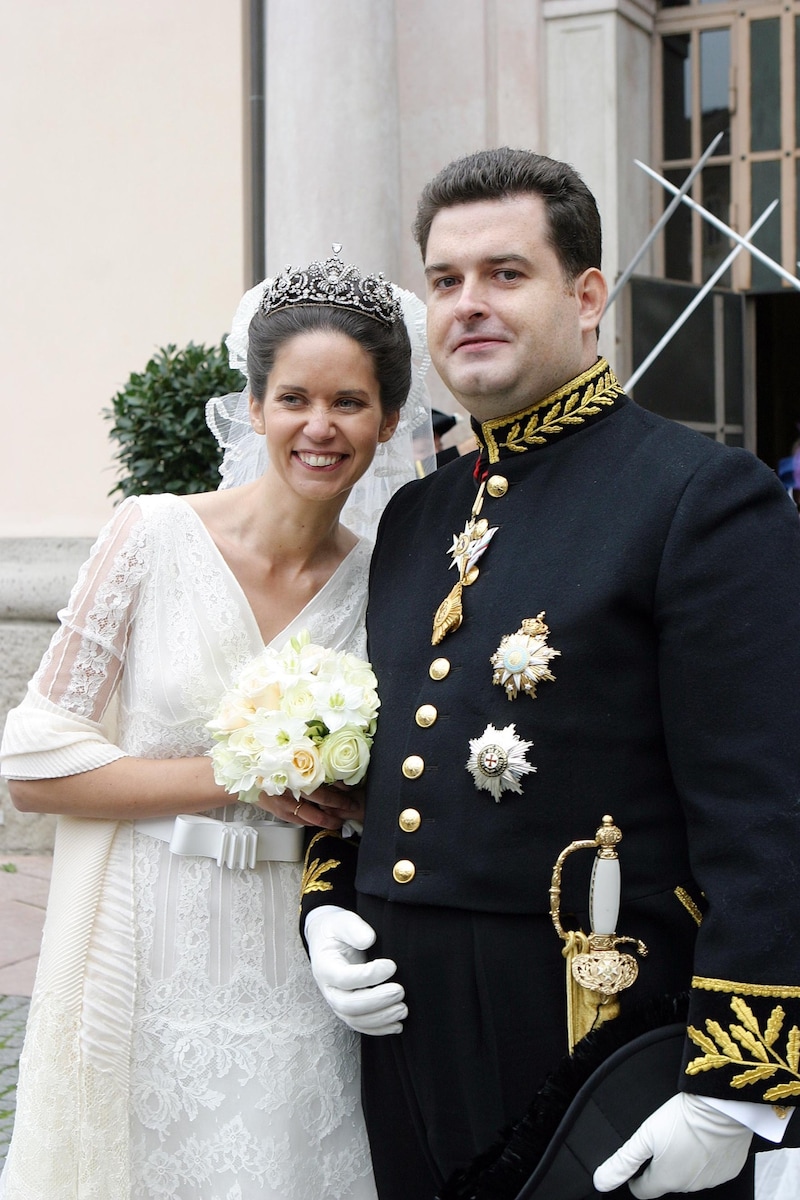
329 874
745 1039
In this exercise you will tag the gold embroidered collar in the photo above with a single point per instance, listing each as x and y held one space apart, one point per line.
559 413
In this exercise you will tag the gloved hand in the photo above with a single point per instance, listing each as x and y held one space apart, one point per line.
690 1144
355 989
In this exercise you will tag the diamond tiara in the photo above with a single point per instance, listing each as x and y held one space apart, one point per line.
332 283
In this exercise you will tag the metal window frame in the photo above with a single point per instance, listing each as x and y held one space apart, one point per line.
694 19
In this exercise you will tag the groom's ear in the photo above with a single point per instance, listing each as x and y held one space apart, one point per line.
388 426
256 413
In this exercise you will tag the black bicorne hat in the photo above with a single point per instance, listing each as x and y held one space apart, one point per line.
592 1103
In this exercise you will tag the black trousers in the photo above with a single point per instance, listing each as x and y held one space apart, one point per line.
486 1023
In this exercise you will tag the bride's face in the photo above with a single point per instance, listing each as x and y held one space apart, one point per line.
322 414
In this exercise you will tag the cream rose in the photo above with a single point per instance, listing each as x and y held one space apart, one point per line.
234 712
304 770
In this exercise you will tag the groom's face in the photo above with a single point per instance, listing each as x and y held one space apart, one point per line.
505 326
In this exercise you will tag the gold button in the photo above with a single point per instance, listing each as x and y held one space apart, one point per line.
413 766
403 871
409 820
425 715
497 485
439 668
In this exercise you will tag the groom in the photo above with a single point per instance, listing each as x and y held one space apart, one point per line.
597 613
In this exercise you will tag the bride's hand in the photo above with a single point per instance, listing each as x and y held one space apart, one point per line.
326 808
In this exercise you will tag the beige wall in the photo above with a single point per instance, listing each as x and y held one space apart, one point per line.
121 202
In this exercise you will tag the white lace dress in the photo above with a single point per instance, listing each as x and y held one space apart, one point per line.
177 1044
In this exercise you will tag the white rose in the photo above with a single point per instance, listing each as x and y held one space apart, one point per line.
299 700
234 771
356 670
345 756
247 742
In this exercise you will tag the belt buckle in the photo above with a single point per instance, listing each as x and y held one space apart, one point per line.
238 847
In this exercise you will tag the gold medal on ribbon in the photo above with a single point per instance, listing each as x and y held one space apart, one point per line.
467 548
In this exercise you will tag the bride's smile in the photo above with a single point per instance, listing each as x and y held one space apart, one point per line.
322 414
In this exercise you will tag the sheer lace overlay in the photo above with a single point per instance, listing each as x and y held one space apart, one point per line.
220 1073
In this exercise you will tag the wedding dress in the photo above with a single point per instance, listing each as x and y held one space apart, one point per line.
177 1044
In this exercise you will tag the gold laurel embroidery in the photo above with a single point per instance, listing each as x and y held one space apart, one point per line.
312 880
721 1050
689 904
775 992
573 412
599 380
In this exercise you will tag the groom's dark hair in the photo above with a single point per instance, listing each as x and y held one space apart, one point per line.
572 216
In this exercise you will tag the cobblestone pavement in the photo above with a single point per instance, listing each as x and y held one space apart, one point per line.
24 881
13 1015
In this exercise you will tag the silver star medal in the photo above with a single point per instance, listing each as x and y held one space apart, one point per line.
497 760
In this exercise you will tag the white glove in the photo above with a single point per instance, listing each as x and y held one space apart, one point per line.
355 989
690 1144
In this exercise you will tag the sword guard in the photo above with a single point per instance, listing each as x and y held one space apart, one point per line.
596 970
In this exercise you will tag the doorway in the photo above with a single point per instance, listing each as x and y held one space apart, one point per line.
777 331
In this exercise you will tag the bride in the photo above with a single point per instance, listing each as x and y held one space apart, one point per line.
177 1045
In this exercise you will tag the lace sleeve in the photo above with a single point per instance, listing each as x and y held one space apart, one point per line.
65 723
81 667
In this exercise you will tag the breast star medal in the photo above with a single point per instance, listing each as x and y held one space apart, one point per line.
521 660
465 551
497 761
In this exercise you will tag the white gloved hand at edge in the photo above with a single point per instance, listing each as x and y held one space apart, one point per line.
355 989
689 1145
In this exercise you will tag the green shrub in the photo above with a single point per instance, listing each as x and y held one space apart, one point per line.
159 421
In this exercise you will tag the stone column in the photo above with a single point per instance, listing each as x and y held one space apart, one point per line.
599 112
332 132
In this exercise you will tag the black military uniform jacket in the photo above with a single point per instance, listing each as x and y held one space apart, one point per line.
665 571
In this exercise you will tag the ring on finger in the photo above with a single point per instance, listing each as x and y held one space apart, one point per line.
298 806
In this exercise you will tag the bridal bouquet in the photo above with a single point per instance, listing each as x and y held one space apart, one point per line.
295 718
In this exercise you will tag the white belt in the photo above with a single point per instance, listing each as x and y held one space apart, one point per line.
231 843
